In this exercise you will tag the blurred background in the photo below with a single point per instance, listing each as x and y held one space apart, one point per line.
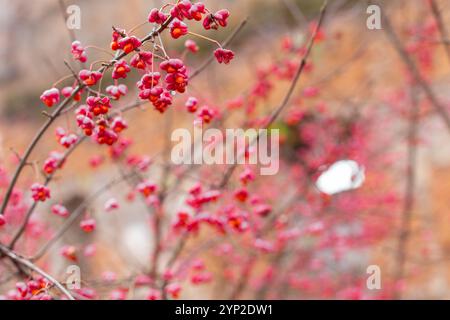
356 72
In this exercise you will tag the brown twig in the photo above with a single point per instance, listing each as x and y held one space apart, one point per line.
224 44
26 263
440 109
409 189
226 177
57 112
440 23
75 214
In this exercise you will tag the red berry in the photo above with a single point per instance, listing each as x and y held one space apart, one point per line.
178 28
120 70
156 16
191 45
50 97
117 91
88 225
98 105
191 104
88 77
60 210
40 192
223 55
78 51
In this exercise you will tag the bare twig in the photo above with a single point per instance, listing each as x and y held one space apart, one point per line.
286 98
26 263
410 187
440 109
440 23
57 112
75 214
224 44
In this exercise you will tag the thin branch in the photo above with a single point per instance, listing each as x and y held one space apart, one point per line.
58 110
408 205
224 44
26 263
30 211
393 37
75 214
440 23
286 98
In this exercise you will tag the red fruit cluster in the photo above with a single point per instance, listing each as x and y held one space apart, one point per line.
146 188
78 51
65 139
120 70
89 77
186 9
40 192
176 78
156 16
53 162
104 134
98 105
50 97
34 289
178 28
142 60
60 210
128 44
223 55
67 92
213 21
116 91
88 225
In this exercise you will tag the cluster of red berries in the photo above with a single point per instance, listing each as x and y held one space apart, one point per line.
35 289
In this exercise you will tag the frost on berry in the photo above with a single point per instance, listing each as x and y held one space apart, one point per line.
116 92
178 28
60 210
78 51
40 192
50 97
120 70
88 77
142 60
223 55
213 21
88 225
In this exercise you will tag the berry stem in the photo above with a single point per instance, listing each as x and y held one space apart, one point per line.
100 49
61 80
137 27
206 38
